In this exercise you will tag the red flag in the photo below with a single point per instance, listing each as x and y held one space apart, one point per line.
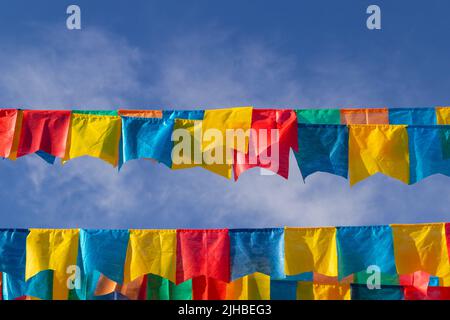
203 253
7 125
204 288
44 131
433 293
418 280
267 149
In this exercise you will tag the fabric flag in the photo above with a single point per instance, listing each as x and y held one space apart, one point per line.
147 138
311 249
94 135
140 113
263 151
44 131
322 148
361 247
363 277
8 119
134 290
227 119
203 253
97 112
159 288
365 116
378 148
257 250
425 151
187 149
151 251
55 250
318 116
433 293
252 287
362 292
419 280
183 114
443 115
283 290
204 288
421 247
317 291
412 116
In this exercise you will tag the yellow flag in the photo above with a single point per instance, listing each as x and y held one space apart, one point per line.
317 291
443 115
151 251
227 119
94 135
421 247
378 148
311 249
187 152
252 287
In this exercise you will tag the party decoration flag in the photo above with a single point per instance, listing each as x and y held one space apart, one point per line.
203 253
223 120
183 114
418 279
44 131
311 249
283 290
159 288
97 112
365 116
151 251
94 135
443 115
432 293
317 291
273 134
362 247
318 116
421 247
362 292
378 148
412 116
255 286
134 290
147 138
363 277
140 113
8 119
322 148
186 152
257 250
426 153
205 288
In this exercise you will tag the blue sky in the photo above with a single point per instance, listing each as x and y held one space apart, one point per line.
204 54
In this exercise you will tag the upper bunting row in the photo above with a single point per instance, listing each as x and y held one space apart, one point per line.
407 144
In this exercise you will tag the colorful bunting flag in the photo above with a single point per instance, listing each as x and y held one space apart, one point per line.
255 286
362 292
412 116
443 115
140 113
8 119
365 116
159 288
318 116
317 291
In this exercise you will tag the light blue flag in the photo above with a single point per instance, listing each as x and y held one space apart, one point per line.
147 138
361 247
183 114
427 151
322 148
257 250
412 116
283 290
362 292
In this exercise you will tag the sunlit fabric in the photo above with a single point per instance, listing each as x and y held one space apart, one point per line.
134 290
426 153
412 116
317 291
318 116
159 288
311 249
421 247
283 290
227 119
419 280
151 251
144 138
44 131
365 116
252 287
94 135
263 151
140 113
205 288
362 292
203 253
257 250
322 148
378 148
432 293
443 115
8 119
97 112
183 114
363 277
361 247
188 154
